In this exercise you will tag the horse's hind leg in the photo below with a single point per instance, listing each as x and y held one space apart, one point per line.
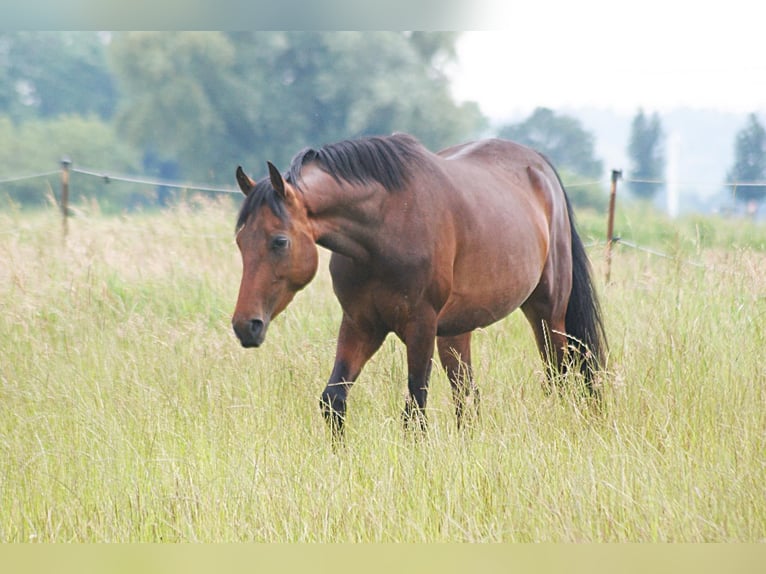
455 356
548 324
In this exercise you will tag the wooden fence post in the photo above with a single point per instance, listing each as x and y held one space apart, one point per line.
66 163
616 174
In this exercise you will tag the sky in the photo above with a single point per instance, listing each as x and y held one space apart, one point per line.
658 55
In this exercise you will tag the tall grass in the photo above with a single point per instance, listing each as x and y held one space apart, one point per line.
128 411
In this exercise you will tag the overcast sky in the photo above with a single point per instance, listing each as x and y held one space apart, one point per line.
618 55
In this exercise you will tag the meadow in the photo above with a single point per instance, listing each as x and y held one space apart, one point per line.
129 412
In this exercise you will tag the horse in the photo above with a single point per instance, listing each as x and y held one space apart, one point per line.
428 246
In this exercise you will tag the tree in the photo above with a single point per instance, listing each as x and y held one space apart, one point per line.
750 162
561 138
213 100
47 74
173 89
646 154
434 45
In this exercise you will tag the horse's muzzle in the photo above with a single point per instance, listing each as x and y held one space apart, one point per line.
250 333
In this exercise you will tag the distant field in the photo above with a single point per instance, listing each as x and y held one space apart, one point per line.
129 412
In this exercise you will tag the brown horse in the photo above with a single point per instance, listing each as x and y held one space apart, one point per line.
427 246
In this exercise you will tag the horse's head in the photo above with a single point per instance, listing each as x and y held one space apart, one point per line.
279 256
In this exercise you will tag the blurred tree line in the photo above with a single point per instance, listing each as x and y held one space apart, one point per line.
211 100
192 105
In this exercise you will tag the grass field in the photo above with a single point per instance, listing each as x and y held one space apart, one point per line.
129 412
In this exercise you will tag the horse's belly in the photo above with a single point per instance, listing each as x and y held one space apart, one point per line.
463 314
487 287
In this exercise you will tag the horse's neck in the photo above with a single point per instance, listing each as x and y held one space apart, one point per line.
344 217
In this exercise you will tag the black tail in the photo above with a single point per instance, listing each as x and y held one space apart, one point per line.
583 320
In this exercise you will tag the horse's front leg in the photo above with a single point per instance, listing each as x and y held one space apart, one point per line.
419 337
355 347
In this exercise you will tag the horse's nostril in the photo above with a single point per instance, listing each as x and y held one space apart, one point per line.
256 328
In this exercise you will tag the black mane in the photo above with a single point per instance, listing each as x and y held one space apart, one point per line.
386 160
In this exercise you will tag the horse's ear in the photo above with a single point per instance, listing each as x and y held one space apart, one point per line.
277 181
245 183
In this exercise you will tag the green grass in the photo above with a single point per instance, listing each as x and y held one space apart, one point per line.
129 412
685 236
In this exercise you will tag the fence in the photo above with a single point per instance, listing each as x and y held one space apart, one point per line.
609 242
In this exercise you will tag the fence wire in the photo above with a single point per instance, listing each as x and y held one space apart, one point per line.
107 177
619 240
698 183
167 183
29 176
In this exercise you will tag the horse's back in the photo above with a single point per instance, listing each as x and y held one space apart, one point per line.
505 152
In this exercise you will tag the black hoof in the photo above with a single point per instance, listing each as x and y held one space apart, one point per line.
333 411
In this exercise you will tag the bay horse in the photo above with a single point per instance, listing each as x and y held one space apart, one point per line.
429 246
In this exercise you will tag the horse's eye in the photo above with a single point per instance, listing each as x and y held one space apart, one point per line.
280 243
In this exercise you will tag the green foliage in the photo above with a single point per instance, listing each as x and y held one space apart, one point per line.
434 45
560 137
46 74
646 154
687 236
213 100
37 145
750 160
172 84
193 105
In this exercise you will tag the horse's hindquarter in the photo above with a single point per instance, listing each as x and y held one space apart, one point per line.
502 236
